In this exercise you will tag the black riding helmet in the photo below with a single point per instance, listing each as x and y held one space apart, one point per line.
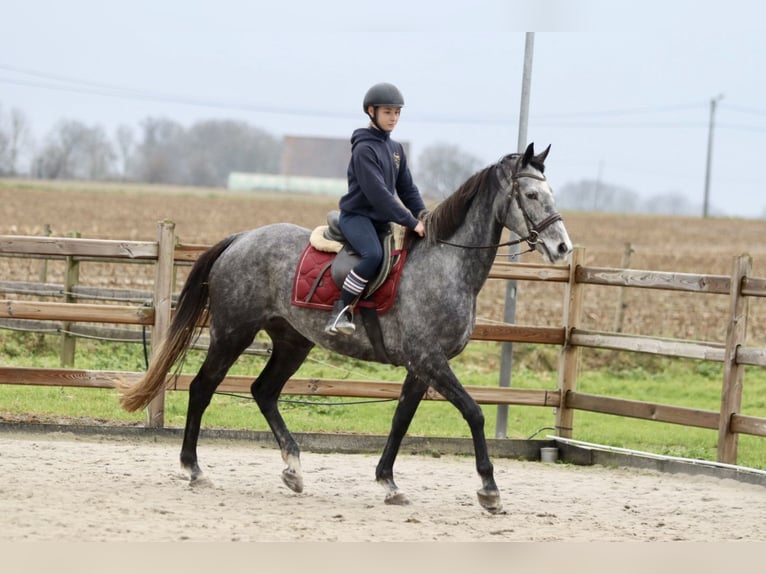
383 94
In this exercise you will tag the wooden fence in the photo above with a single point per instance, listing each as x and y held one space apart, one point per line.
165 255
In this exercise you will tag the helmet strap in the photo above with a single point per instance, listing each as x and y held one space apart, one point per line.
374 118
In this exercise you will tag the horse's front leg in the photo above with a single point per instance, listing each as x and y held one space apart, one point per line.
444 381
409 399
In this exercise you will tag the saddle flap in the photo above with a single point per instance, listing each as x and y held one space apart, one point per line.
313 288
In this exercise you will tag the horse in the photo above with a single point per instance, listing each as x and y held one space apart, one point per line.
242 285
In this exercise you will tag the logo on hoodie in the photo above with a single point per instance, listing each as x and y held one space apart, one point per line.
397 160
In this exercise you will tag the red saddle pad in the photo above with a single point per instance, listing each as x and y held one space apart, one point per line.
314 288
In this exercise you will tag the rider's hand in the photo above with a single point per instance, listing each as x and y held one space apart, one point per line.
420 229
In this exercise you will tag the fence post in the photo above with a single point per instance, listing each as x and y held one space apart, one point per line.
71 278
733 373
570 355
43 275
619 314
163 294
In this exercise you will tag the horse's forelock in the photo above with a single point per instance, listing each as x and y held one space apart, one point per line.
534 161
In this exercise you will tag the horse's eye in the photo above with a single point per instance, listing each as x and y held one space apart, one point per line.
531 195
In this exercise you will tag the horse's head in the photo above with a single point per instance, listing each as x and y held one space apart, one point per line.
527 207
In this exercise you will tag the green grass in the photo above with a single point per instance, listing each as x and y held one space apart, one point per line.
694 384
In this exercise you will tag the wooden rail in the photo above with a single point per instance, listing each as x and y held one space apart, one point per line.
570 337
295 386
63 246
84 312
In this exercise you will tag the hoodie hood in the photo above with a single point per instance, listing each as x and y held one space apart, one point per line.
368 134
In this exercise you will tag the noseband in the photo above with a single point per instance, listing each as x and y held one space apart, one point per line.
533 229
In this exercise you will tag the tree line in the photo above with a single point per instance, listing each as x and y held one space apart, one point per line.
598 196
163 151
159 151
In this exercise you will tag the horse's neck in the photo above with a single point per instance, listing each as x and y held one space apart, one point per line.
480 230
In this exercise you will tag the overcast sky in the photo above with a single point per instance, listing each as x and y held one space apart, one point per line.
621 90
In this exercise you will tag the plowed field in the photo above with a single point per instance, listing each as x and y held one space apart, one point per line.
690 245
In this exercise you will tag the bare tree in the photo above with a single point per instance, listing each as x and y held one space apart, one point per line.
592 195
14 136
97 156
56 160
5 145
215 148
204 154
164 152
125 144
159 155
75 151
442 168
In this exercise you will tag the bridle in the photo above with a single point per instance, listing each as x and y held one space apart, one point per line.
533 229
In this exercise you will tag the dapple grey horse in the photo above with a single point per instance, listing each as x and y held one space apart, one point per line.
243 285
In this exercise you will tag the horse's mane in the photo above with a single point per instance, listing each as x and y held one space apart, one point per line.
447 216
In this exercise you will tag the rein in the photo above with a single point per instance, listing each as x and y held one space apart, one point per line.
534 230
530 239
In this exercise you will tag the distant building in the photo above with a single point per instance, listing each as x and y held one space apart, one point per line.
239 181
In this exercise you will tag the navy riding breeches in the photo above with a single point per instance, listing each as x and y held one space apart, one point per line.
362 233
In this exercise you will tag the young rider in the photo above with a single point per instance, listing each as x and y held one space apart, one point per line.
377 174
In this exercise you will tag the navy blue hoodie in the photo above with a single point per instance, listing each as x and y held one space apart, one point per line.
377 173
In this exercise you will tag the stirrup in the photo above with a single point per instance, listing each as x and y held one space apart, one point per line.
343 323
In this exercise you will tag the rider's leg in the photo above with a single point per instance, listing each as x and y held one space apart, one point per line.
363 237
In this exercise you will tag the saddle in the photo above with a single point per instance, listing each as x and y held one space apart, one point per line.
328 250
329 238
327 259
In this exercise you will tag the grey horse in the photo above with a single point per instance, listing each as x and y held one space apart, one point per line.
243 284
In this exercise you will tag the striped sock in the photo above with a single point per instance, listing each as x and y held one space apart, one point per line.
353 285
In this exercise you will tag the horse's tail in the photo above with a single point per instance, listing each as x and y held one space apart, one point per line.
192 306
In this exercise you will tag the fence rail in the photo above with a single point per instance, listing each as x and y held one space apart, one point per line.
155 312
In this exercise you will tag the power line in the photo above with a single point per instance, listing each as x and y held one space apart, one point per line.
134 94
626 112
58 82
742 128
744 110
623 125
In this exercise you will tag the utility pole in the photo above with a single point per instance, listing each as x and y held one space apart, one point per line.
711 124
597 187
509 316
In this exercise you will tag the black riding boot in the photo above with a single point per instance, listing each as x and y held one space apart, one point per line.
341 321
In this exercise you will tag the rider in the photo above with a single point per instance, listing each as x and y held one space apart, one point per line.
377 174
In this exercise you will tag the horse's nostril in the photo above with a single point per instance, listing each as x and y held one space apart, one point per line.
563 248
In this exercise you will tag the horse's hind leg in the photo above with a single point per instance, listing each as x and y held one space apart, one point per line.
288 353
409 399
220 357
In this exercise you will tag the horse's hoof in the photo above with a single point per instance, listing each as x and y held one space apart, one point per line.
293 480
490 501
397 499
200 481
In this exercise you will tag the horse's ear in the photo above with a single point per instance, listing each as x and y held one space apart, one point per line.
541 156
528 154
